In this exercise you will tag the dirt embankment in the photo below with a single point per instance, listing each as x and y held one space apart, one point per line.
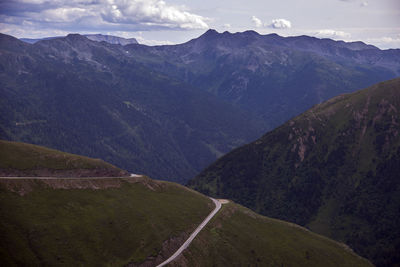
23 186
168 248
44 172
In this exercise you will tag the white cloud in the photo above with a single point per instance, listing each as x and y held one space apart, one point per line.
386 42
364 4
328 33
95 15
257 22
60 15
151 13
139 37
142 40
275 23
280 24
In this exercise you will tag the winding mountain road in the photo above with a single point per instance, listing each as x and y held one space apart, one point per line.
194 234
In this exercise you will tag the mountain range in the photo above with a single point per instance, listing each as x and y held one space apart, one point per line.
94 37
334 169
169 111
271 76
91 98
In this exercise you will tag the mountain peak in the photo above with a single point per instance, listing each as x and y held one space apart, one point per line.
210 31
9 42
76 37
251 33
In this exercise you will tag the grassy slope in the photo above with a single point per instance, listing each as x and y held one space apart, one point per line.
116 221
28 157
345 187
110 226
239 237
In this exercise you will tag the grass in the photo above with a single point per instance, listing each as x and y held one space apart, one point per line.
109 226
239 237
23 156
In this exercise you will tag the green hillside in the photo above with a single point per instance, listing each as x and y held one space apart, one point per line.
88 222
22 159
116 221
334 169
138 221
240 237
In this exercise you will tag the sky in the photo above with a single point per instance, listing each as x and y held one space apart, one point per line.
155 22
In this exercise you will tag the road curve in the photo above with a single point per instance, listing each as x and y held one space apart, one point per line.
194 234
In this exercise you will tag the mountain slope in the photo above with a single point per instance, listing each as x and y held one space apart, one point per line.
169 111
86 221
240 237
334 169
90 98
272 76
138 221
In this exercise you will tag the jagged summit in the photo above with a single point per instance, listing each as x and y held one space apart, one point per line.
302 42
211 32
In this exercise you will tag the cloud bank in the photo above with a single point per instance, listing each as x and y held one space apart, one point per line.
95 15
328 33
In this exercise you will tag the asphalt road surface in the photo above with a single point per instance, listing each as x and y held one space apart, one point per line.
194 234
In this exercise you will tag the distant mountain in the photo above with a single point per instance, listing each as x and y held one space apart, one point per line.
173 109
94 37
334 169
275 77
34 40
137 221
92 98
111 39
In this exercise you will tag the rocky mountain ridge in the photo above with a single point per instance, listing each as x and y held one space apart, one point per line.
272 76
